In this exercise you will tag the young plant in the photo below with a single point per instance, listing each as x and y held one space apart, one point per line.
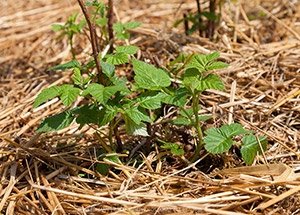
195 79
111 103
70 29
203 21
115 101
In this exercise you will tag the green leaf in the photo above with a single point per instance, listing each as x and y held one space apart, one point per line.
186 112
210 15
191 78
96 91
250 147
123 36
101 93
185 116
46 95
178 97
108 113
217 65
136 115
121 30
211 81
102 21
219 140
174 148
68 94
108 69
111 90
206 62
113 158
81 24
150 100
117 58
120 83
72 18
135 129
77 77
69 65
182 121
149 77
56 122
57 27
131 25
180 59
88 114
102 168
90 64
130 50
212 56
94 114
118 27
198 62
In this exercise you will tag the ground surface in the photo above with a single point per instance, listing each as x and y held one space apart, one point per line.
261 42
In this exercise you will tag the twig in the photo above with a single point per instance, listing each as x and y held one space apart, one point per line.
94 41
211 23
110 16
199 14
186 23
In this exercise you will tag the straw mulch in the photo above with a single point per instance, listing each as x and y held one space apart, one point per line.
40 174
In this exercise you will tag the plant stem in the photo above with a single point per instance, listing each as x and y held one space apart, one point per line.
200 18
186 24
114 131
211 23
110 16
199 145
94 41
72 48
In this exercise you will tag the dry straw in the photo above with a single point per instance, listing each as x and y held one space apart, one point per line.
263 83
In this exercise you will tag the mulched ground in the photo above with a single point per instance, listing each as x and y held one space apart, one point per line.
40 174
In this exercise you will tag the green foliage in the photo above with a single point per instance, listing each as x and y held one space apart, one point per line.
46 94
187 117
219 140
206 62
174 148
103 168
130 50
196 77
149 77
251 146
108 69
136 115
135 129
116 102
56 122
88 114
202 20
67 94
176 97
70 29
122 29
121 55
69 65
100 93
150 100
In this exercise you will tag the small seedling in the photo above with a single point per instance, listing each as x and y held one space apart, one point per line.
70 29
203 21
